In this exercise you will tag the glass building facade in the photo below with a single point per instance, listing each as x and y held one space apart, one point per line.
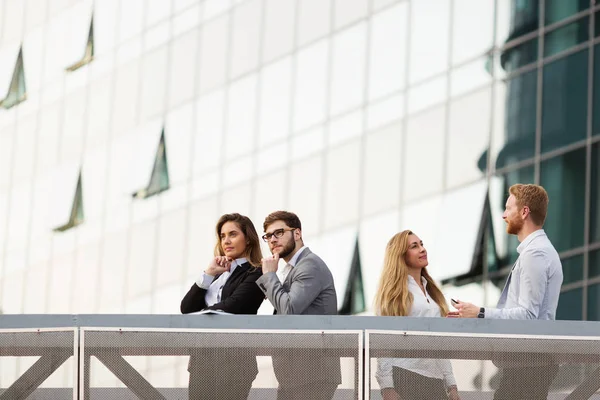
128 127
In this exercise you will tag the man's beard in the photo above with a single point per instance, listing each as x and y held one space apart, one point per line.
288 248
514 226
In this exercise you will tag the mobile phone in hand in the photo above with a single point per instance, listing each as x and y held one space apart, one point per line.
453 301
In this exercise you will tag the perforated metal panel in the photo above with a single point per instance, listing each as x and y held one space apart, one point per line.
517 367
221 364
30 358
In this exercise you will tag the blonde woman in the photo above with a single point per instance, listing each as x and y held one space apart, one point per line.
406 289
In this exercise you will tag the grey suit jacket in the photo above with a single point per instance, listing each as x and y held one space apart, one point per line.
308 290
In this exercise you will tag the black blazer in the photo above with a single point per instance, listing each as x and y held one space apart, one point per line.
240 295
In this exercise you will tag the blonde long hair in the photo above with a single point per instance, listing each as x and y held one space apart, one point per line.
393 297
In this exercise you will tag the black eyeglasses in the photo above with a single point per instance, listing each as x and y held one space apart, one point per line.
277 233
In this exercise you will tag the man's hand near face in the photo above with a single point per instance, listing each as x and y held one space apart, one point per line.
270 263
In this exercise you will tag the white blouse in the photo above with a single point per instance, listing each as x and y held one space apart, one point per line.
422 306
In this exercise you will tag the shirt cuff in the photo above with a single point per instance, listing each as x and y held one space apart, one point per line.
204 281
449 381
385 382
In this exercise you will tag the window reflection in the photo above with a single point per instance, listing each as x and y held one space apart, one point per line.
279 28
555 10
572 269
472 28
311 82
247 20
464 162
593 303
381 189
564 101
428 38
424 154
566 37
563 177
570 305
595 195
596 91
213 53
594 265
342 184
275 101
520 119
387 59
349 52
314 18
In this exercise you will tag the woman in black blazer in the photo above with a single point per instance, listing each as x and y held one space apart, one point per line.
228 284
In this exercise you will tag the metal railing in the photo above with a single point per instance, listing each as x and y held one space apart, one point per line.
148 356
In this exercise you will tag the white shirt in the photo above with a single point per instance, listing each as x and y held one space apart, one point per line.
285 271
215 288
422 306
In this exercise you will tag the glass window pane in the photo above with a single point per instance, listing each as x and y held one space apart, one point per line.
279 28
381 190
313 20
385 111
125 100
556 10
275 101
593 303
342 185
178 141
213 53
246 35
595 195
563 177
564 101
141 257
24 151
373 237
311 84
183 67
572 269
596 89
201 237
345 127
131 23
241 117
570 305
98 115
305 195
73 129
519 55
426 94
594 264
170 258
424 154
154 85
348 11
387 68
471 76
566 36
209 131
520 118
473 29
349 52
268 197
465 162
429 38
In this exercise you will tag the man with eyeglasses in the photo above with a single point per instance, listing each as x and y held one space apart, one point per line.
305 287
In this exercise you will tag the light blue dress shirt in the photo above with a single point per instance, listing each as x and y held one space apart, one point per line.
533 286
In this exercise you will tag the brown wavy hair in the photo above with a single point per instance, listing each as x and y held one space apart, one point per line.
253 252
393 297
